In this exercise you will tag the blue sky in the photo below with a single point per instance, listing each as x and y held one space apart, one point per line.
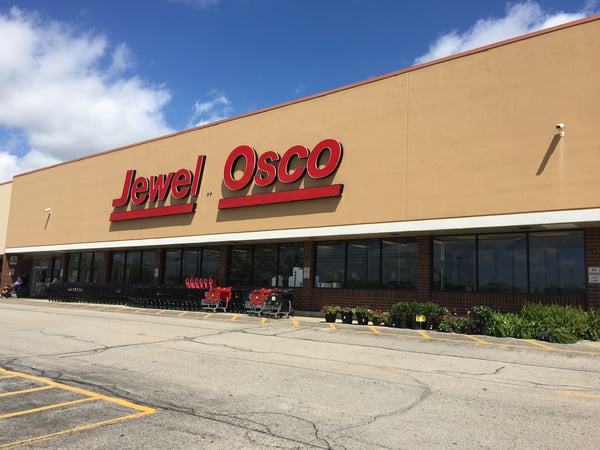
79 77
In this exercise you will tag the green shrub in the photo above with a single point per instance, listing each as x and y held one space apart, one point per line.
454 324
398 311
593 325
566 318
562 336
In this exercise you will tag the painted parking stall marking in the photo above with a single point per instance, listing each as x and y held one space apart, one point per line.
56 408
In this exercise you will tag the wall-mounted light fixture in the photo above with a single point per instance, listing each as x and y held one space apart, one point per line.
560 128
48 210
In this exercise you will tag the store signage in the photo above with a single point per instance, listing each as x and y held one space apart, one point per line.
154 190
291 167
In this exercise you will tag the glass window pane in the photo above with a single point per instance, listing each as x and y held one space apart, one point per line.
191 262
503 263
291 264
557 263
265 266
148 264
399 263
98 268
132 267
85 268
172 274
454 263
330 261
211 261
117 274
363 264
240 273
73 270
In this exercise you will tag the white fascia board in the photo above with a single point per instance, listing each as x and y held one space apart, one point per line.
415 226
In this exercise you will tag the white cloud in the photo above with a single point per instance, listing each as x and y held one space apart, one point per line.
217 108
521 18
64 95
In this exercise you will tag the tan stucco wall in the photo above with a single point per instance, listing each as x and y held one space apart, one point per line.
465 137
5 190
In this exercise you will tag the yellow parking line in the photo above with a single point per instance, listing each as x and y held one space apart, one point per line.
295 323
157 313
373 329
234 317
44 408
425 335
332 326
476 339
547 347
207 316
182 314
73 430
26 391
7 376
263 320
578 394
593 346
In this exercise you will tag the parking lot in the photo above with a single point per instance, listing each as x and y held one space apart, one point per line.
94 376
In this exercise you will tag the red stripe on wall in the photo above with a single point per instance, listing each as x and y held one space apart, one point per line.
153 212
334 190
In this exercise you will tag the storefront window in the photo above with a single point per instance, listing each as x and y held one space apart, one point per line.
240 273
363 267
271 265
133 267
117 274
556 263
330 270
73 270
539 263
373 263
399 264
172 273
148 263
265 266
211 261
84 267
191 262
454 263
502 263
291 264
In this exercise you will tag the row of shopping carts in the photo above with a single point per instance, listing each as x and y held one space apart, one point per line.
198 294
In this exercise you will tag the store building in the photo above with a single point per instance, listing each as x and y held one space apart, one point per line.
465 181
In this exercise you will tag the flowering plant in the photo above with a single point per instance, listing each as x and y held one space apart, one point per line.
362 309
330 309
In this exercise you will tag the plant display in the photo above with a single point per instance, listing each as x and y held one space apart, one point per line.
480 319
362 309
555 323
330 309
454 323
398 314
379 317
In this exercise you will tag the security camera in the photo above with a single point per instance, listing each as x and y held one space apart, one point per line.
48 210
559 126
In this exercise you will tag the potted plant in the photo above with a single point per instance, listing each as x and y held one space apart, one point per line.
330 312
347 315
398 314
362 314
378 317
416 309
480 318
